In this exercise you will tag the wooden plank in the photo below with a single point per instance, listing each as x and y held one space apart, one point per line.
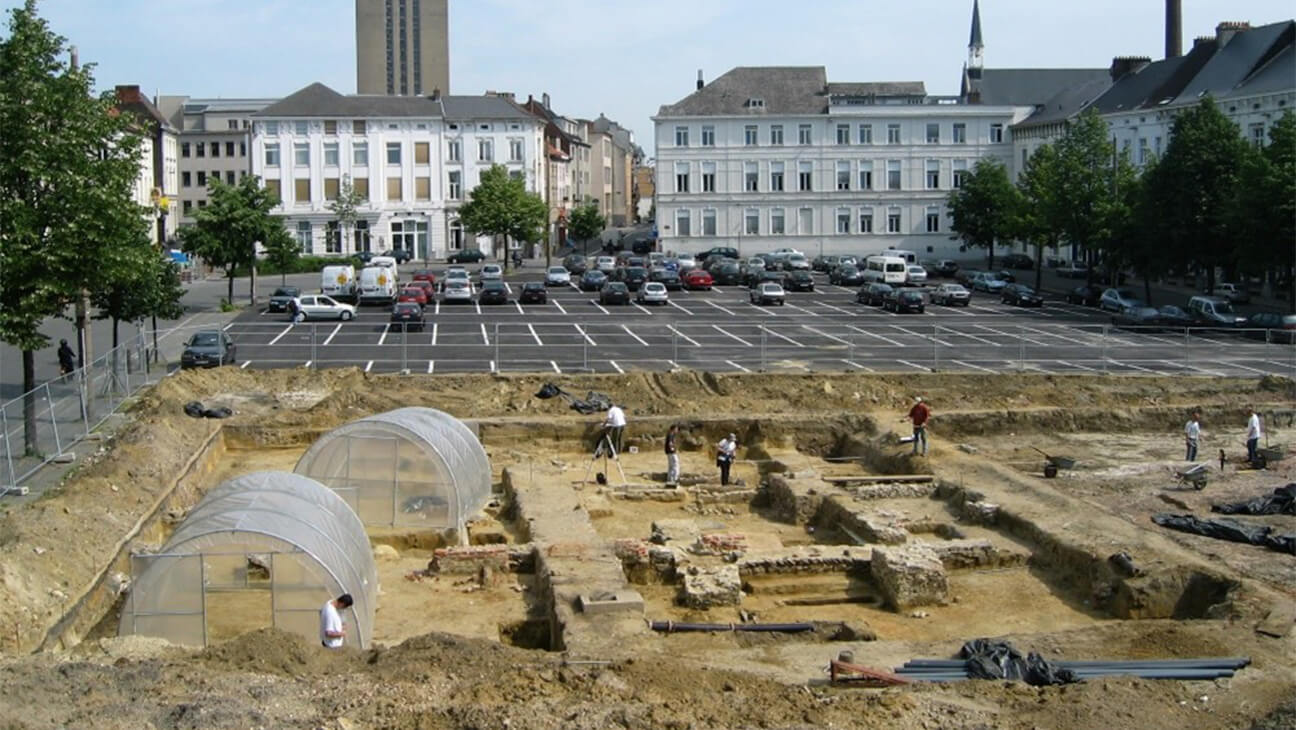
910 478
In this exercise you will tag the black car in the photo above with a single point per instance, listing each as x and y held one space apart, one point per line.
727 274
493 292
1020 295
632 276
1087 296
944 267
750 273
1018 261
207 349
903 300
824 263
799 280
642 245
846 276
1271 327
407 316
282 297
364 256
402 255
873 293
725 251
575 264
667 278
466 256
1169 315
533 292
592 280
614 292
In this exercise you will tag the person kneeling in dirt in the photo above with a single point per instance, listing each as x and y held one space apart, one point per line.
725 451
919 415
332 627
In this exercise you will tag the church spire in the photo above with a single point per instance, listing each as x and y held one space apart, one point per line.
975 46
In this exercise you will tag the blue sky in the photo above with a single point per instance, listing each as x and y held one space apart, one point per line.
616 57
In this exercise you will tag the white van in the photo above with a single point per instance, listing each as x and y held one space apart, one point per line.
885 269
388 262
339 282
909 256
377 284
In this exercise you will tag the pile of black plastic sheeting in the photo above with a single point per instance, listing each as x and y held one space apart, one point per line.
1282 501
989 659
1231 530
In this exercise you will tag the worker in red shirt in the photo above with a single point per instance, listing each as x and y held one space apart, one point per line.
919 415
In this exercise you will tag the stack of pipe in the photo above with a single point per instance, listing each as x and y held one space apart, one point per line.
952 670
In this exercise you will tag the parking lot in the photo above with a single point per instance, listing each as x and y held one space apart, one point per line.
719 330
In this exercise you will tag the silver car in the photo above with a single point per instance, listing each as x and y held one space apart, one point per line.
457 290
951 295
491 272
606 264
652 293
557 276
796 262
687 262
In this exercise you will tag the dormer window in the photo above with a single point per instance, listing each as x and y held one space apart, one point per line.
755 103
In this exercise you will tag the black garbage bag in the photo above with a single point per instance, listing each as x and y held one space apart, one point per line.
1282 501
1231 530
195 409
548 390
990 659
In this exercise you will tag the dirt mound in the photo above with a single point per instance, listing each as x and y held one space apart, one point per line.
271 651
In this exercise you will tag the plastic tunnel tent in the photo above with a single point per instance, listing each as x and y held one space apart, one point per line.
411 467
271 547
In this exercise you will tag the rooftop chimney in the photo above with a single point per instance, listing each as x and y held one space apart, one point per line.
436 94
1225 31
1122 65
699 83
544 99
75 57
1174 28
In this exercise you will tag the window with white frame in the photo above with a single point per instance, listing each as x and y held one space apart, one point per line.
803 134
750 132
709 222
893 134
866 175
805 221
272 155
960 133
751 222
933 174
1026 157
843 134
682 221
996 133
933 220
893 174
1257 133
393 153
485 150
301 154
866 134
681 177
778 225
843 175
751 177
516 150
893 220
360 154
843 220
805 176
776 177
681 136
776 134
866 220
708 177
304 236
960 172
331 154
454 187
272 129
454 151
1142 150
301 129
933 133
708 135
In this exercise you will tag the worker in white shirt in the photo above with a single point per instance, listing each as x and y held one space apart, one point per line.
725 452
613 426
332 627
1192 432
1253 434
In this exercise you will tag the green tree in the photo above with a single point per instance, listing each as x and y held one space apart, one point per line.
586 223
1087 196
501 206
985 207
1265 207
225 232
347 209
151 289
1191 191
68 164
281 249
1037 209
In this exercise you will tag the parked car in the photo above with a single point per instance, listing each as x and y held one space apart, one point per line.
1020 295
557 276
207 349
614 292
799 280
1087 296
847 275
1115 299
1271 327
455 273
490 272
632 276
533 292
592 280
407 317
1018 261
402 255
823 263
319 306
951 295
725 251
915 275
575 264
466 256
606 264
697 279
796 262
414 294
493 291
1235 293
282 298
873 293
1168 315
903 301
667 278
750 274
687 262
767 293
1214 312
1137 315
728 274
456 291
988 281
965 276
1073 270
428 287
944 267
652 292
427 275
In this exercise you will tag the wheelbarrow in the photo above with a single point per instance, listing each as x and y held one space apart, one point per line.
1194 476
1053 463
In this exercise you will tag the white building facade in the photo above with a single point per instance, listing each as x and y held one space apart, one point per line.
766 158
412 160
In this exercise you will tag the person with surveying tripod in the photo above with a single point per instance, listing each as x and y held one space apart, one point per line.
614 426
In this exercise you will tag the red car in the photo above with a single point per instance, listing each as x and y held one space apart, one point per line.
698 279
426 285
424 275
414 294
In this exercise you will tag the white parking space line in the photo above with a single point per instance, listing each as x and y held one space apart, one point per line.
383 338
763 310
672 363
245 364
555 367
618 367
263 312
485 339
836 309
1283 365
535 336
685 337
887 340
916 366
336 330
368 366
736 365
852 363
431 366
559 306
1132 366
641 308
685 310
730 334
600 307
1190 366
717 306
225 328
434 334
437 309
1007 334
924 335
1236 365
508 288
637 337
588 339
492 366
308 363
803 309
519 307
286 330
821 333
970 365
478 306
1076 365
782 337
839 287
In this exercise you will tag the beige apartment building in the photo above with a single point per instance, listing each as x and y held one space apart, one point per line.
402 47
613 149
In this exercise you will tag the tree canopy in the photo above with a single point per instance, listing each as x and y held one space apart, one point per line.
985 207
501 206
586 222
225 233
